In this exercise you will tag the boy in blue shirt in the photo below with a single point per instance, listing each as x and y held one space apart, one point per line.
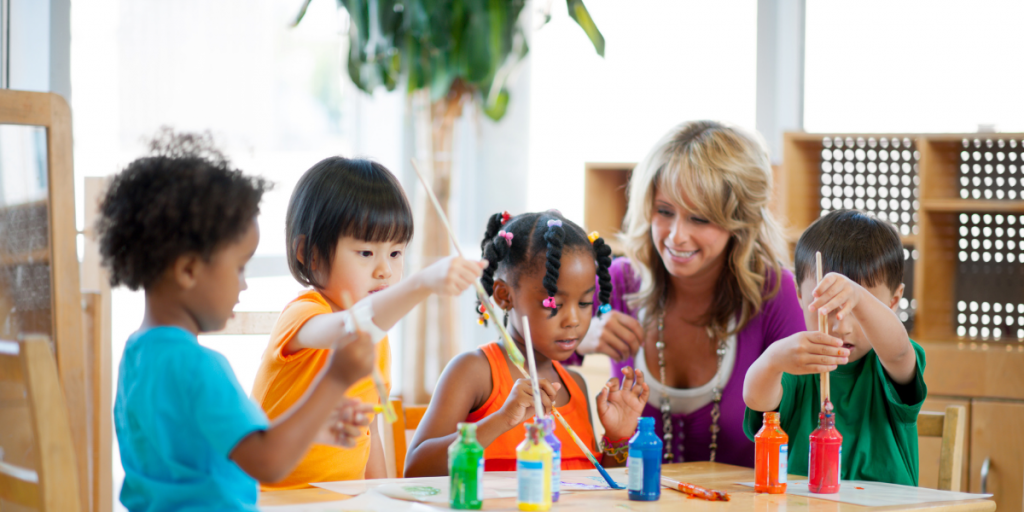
181 224
877 371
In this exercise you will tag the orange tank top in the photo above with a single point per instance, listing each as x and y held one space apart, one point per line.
282 380
501 454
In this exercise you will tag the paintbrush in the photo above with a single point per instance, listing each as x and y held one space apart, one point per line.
826 403
378 380
694 490
513 351
537 407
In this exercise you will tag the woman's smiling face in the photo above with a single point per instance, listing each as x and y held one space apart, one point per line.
689 245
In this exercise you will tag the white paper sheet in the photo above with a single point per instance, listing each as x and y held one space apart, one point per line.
878 494
355 487
365 502
497 484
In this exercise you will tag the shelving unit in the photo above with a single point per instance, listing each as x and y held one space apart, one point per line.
984 373
968 273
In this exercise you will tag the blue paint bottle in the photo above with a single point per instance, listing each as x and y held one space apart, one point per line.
556 458
644 463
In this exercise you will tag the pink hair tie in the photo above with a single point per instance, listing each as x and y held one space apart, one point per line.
553 223
507 236
550 303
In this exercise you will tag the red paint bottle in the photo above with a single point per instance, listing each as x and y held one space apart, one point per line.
826 456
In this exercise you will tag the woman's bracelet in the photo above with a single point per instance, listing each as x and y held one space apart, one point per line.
618 449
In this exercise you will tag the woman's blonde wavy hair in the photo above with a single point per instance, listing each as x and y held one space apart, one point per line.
725 176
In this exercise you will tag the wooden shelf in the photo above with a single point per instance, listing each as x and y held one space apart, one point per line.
36 256
971 205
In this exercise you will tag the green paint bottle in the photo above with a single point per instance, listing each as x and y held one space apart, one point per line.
466 470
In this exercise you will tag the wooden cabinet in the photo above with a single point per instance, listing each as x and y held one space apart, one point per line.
997 436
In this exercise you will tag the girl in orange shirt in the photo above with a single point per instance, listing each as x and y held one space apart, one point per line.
544 267
347 227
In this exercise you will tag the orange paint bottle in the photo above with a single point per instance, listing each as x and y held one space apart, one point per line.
771 456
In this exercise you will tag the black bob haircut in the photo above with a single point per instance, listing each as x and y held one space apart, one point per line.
861 247
184 198
341 197
532 237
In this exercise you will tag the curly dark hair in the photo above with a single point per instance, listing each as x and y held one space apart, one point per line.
532 236
184 197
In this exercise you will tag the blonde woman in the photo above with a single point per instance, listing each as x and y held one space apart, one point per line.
702 292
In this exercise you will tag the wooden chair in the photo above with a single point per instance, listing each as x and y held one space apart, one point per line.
409 418
950 427
53 486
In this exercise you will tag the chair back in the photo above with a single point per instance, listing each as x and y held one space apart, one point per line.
53 485
409 418
950 427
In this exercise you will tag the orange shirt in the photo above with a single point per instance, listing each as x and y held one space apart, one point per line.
283 379
501 454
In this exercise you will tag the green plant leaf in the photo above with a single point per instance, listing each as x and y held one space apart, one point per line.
302 13
578 12
497 109
441 77
432 43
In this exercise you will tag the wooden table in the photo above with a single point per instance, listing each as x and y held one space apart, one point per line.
721 477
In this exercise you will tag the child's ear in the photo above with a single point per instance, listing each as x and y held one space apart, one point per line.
300 254
186 270
502 294
300 249
894 303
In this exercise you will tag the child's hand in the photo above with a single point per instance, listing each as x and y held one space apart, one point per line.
519 404
346 423
354 360
836 291
619 407
452 275
806 353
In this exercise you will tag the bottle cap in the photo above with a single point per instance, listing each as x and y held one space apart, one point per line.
771 417
534 432
549 424
646 422
467 428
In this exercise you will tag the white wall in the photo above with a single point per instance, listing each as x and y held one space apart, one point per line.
914 65
665 62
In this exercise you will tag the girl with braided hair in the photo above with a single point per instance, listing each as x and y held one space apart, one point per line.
546 268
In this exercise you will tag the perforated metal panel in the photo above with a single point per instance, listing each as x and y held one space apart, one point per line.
992 169
878 176
908 304
990 276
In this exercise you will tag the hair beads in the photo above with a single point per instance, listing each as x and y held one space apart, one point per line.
513 244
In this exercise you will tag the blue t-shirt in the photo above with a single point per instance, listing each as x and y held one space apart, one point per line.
179 412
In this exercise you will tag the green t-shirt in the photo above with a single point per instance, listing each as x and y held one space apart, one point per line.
876 417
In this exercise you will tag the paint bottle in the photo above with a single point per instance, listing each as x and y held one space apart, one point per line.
826 455
644 463
466 470
771 456
556 456
533 470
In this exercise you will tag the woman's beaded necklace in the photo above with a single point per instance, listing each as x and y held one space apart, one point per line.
666 408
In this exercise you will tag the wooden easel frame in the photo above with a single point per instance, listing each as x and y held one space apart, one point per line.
52 112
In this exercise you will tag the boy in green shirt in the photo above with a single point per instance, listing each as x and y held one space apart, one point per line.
877 381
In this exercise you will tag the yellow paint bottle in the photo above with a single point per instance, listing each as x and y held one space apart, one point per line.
533 470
